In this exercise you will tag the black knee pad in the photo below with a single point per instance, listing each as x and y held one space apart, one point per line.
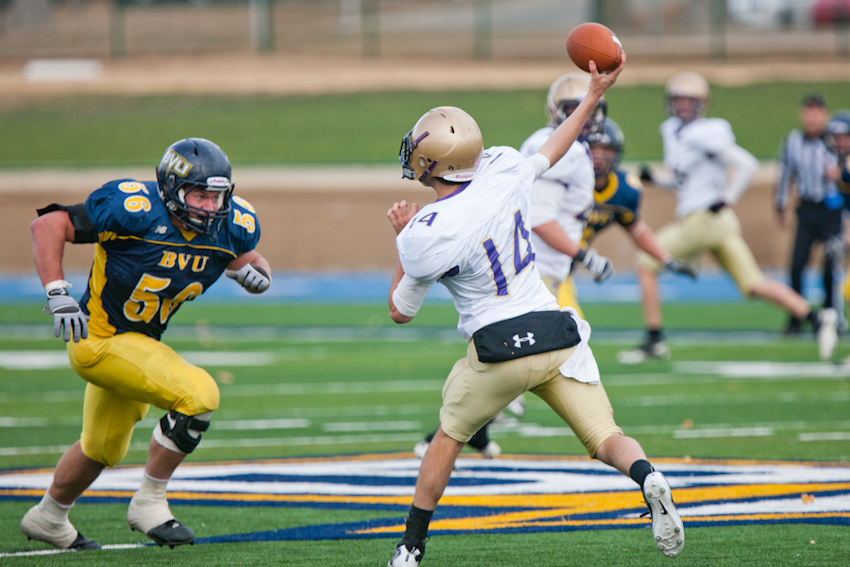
179 433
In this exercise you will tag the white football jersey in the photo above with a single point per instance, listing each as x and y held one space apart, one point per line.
476 242
563 194
691 151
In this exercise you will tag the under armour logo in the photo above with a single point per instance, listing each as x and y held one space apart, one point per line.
528 338
161 229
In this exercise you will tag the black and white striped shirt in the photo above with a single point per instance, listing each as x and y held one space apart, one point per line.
805 161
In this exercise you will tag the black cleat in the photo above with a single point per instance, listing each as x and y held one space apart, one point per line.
83 543
172 533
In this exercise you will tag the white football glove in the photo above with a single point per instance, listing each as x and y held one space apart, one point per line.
251 277
599 266
68 319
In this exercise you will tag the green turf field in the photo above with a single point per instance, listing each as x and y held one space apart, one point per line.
339 370
352 128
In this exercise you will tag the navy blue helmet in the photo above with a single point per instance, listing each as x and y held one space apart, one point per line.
611 136
195 163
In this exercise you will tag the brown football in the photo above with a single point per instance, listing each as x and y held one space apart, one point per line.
592 41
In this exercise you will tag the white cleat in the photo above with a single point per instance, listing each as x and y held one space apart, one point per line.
491 450
420 448
36 524
827 333
404 557
647 351
667 527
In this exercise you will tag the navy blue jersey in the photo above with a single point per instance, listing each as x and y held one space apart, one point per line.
617 202
145 267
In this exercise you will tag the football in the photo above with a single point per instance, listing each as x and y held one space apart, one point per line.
594 42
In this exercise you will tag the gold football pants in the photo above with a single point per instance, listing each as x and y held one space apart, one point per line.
476 391
126 374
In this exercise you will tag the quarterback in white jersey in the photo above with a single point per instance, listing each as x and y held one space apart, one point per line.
473 239
457 240
700 152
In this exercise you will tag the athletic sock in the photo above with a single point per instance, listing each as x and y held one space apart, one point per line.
54 510
417 527
812 318
479 440
153 488
655 335
639 471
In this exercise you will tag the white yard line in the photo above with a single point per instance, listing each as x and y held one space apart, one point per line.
58 551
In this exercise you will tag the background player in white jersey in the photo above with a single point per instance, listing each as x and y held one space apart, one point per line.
616 196
562 197
700 152
157 244
473 239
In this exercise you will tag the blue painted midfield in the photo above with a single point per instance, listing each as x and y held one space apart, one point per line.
372 287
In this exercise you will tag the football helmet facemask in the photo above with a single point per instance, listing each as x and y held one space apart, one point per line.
445 142
189 164
687 84
611 137
565 94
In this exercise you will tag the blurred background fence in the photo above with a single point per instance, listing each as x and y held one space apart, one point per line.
482 29
124 48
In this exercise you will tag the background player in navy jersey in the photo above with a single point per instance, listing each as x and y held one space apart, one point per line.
617 199
157 244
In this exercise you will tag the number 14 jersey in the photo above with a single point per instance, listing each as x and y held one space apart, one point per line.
476 243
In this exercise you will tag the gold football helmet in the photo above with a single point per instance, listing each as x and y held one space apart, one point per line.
687 84
444 143
564 96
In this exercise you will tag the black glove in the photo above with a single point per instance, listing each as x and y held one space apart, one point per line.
681 267
599 266
68 319
717 206
645 173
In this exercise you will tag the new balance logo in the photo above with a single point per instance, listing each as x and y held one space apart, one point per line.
528 338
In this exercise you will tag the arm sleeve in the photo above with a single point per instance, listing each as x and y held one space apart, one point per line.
84 230
540 163
409 295
744 165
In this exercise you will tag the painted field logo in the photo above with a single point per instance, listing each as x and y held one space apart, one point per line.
506 495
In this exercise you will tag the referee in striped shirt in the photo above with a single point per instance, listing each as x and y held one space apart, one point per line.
807 163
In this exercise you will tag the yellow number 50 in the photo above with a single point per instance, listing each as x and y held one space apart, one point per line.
144 303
